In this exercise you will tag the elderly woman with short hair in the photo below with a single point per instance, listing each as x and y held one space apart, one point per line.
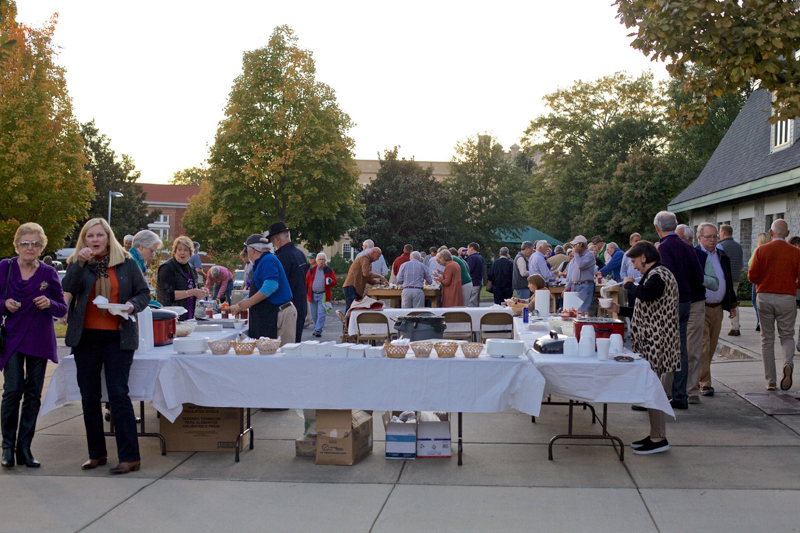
32 297
320 278
220 280
177 282
145 245
452 295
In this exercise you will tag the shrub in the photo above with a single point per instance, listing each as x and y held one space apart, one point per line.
744 292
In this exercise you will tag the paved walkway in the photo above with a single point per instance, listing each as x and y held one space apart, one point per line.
730 468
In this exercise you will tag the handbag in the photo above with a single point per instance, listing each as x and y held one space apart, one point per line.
3 322
489 286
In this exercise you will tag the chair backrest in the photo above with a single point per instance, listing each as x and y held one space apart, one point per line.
372 317
418 313
497 319
457 316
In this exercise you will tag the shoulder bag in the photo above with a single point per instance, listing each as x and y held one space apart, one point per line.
3 322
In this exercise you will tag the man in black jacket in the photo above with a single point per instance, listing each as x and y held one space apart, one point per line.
723 299
295 265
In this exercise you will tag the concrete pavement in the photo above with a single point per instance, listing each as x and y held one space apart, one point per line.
730 468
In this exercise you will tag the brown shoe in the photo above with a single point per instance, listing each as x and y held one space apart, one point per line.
771 387
786 381
124 468
91 464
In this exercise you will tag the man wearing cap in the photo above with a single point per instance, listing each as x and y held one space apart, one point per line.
220 280
295 264
582 270
272 313
359 275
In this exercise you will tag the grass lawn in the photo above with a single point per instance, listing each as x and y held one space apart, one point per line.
61 330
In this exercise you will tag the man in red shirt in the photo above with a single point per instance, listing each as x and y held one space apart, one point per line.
775 270
405 257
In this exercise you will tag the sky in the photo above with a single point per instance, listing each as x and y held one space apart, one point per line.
156 75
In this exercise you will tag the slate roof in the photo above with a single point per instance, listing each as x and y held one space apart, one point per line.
744 155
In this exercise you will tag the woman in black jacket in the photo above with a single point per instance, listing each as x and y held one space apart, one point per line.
177 282
103 339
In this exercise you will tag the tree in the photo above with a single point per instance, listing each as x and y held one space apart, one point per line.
281 153
128 212
41 150
591 128
8 13
486 192
734 42
404 204
189 176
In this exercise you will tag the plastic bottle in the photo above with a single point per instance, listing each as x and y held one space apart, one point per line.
209 309
224 310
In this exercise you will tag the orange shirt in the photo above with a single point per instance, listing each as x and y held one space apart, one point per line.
776 268
94 318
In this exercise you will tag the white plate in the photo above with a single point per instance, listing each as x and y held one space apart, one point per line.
119 307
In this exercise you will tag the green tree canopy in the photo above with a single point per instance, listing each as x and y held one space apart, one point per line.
128 212
41 150
734 42
487 190
281 153
404 204
8 15
189 176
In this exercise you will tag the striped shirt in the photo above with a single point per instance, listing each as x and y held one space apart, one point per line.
413 275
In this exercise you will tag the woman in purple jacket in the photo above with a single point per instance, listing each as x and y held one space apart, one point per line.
32 297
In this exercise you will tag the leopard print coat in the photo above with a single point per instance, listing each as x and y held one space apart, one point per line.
654 327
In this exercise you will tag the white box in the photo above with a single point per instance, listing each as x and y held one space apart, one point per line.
324 348
308 348
433 439
374 351
401 438
292 349
340 350
356 350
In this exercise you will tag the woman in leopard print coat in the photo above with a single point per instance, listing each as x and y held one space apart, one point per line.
654 329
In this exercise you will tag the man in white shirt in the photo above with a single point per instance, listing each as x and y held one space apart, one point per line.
537 264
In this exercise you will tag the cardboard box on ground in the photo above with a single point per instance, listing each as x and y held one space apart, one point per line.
202 429
343 437
433 437
401 437
429 437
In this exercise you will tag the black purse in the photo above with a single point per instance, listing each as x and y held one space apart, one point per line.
3 323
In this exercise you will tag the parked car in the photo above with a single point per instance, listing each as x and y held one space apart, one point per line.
238 280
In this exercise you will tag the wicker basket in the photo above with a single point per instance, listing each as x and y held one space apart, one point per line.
267 346
394 351
471 350
446 350
422 348
244 348
220 347
516 309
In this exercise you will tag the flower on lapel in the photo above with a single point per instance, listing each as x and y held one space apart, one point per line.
43 286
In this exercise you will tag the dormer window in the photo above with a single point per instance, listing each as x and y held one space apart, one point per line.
781 135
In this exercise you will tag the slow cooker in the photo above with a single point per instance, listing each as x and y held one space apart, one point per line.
603 327
164 326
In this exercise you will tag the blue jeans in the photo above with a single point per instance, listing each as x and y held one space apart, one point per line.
99 351
586 294
228 291
680 377
317 310
524 294
350 296
27 389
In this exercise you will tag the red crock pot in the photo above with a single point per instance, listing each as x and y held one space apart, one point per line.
603 327
164 325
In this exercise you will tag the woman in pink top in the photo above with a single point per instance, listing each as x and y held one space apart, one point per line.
222 279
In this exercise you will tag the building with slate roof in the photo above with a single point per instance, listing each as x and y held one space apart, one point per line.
752 178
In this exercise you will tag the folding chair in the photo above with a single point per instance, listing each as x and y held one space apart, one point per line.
461 318
372 318
497 319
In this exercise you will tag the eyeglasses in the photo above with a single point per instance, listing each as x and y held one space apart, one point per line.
708 237
29 244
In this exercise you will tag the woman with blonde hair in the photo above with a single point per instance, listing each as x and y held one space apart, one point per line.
102 340
763 238
32 297
177 282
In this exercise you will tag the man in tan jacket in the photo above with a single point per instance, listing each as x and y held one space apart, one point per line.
359 275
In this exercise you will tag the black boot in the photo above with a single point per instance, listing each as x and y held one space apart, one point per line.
8 457
24 456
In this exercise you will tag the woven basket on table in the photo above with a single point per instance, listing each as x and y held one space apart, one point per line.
244 348
267 346
516 309
422 348
220 347
394 351
471 350
446 350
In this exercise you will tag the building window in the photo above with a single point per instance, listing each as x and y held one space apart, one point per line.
162 219
163 233
347 251
781 135
746 235
770 219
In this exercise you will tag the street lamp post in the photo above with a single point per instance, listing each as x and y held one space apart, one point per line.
111 194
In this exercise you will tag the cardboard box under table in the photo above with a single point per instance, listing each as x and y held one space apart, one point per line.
343 437
401 437
205 429
433 439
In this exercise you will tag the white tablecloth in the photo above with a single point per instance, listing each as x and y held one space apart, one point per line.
475 314
482 385
587 379
63 386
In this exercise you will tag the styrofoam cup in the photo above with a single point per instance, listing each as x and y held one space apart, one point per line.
602 348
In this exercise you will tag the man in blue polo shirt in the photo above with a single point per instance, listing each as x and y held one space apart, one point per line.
272 313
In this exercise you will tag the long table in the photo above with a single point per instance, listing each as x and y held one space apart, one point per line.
589 380
475 314
395 295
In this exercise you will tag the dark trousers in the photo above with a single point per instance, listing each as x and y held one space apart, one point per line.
302 310
501 294
99 351
228 291
26 388
350 296
680 377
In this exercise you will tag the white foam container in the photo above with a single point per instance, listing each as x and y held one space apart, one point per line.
340 350
357 350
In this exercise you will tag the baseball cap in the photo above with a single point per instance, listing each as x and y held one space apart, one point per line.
580 239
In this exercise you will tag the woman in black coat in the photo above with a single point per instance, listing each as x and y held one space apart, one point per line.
177 282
